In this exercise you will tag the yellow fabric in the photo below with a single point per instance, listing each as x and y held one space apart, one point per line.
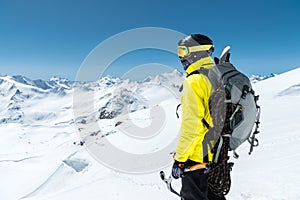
194 101
206 62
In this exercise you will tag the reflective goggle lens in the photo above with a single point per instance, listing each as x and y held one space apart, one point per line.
183 51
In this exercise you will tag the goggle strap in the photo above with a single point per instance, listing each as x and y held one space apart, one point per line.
200 48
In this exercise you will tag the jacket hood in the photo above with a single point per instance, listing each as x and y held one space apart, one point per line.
206 62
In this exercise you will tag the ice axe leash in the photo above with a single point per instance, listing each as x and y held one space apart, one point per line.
169 180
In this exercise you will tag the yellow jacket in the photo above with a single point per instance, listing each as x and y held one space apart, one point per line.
195 106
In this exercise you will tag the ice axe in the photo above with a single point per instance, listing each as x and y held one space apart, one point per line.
169 180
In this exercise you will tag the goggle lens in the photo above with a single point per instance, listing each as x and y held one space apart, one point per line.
183 51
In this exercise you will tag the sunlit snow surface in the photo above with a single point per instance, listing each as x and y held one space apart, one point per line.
41 156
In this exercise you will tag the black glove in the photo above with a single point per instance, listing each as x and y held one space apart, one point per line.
178 169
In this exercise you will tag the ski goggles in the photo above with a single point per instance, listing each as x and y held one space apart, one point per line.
184 51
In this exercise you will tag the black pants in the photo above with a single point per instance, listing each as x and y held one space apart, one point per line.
212 196
195 187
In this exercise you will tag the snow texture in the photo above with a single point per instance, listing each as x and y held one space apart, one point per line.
42 157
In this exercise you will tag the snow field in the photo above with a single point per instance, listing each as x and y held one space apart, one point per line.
41 157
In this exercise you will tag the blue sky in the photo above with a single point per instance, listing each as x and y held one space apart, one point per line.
41 39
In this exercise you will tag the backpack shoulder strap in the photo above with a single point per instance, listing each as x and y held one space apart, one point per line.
202 70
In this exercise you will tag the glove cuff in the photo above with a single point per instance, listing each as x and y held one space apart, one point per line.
181 165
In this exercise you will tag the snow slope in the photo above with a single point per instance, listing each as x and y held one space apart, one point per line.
272 171
42 156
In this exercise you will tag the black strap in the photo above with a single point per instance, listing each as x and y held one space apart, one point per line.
181 88
202 70
192 73
233 75
227 73
177 110
205 123
246 90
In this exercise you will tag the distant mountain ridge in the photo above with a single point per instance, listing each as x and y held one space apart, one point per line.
257 78
115 96
56 82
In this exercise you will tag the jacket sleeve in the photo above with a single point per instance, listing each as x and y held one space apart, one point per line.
192 130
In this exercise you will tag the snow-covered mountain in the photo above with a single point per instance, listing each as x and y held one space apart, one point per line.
115 96
257 78
19 93
44 155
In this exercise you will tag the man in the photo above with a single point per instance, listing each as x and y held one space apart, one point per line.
194 52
